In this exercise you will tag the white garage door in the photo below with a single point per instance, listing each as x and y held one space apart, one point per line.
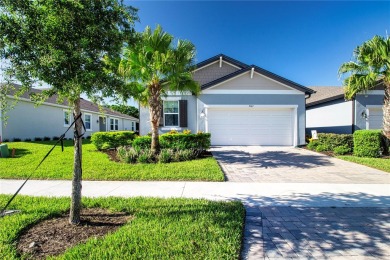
243 126
375 118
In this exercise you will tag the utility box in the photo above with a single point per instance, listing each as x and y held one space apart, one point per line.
4 151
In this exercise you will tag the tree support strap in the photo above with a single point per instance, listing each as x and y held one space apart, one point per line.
60 140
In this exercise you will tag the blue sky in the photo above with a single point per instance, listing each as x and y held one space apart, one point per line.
304 41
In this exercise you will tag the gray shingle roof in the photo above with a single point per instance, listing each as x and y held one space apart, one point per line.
324 94
84 104
244 68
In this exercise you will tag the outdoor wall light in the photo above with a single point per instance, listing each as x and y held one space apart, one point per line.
202 114
364 115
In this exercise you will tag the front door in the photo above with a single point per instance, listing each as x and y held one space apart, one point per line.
102 124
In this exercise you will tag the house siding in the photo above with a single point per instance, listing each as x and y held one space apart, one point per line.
212 72
256 99
145 127
362 101
28 121
330 117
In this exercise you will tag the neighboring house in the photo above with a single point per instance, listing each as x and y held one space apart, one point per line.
328 112
27 121
238 104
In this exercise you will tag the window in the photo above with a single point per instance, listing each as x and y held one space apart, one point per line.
66 118
171 113
132 126
87 121
114 124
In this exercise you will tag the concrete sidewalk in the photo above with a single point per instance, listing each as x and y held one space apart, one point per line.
283 220
251 194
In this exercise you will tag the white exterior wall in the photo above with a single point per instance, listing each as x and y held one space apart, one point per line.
28 121
337 114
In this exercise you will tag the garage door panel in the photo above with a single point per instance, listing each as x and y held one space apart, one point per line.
250 126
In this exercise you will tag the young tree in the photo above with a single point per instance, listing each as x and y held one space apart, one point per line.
125 109
371 66
153 67
62 43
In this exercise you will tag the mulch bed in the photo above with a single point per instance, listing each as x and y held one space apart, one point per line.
53 236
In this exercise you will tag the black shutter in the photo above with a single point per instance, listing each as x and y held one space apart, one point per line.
161 114
183 113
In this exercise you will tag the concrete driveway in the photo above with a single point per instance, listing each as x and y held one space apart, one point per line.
291 165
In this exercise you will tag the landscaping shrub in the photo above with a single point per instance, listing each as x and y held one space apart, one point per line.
165 156
341 150
55 138
107 140
37 139
16 139
329 142
27 140
46 138
145 156
127 155
185 155
200 141
142 142
312 145
6 140
178 141
368 143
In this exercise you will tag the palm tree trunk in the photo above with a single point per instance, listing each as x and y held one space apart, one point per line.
75 206
386 112
155 113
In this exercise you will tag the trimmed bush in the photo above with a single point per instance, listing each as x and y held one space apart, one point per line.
368 143
46 138
107 140
142 142
37 139
27 140
341 150
17 139
200 141
180 141
329 142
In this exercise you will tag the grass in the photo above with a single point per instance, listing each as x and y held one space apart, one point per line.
377 163
98 166
160 229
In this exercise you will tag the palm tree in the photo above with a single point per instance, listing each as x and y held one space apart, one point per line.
370 67
155 66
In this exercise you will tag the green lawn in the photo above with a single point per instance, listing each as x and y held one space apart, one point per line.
377 163
160 229
97 166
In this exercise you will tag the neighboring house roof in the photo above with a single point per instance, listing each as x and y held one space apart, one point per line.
245 68
324 94
84 104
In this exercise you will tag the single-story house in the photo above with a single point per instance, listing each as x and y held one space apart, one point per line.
239 104
328 112
51 119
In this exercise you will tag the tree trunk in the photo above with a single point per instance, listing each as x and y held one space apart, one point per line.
386 111
155 113
75 206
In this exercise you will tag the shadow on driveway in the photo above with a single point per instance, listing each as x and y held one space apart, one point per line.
272 159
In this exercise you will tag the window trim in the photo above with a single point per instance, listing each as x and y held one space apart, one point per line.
132 126
90 123
64 111
114 120
178 113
